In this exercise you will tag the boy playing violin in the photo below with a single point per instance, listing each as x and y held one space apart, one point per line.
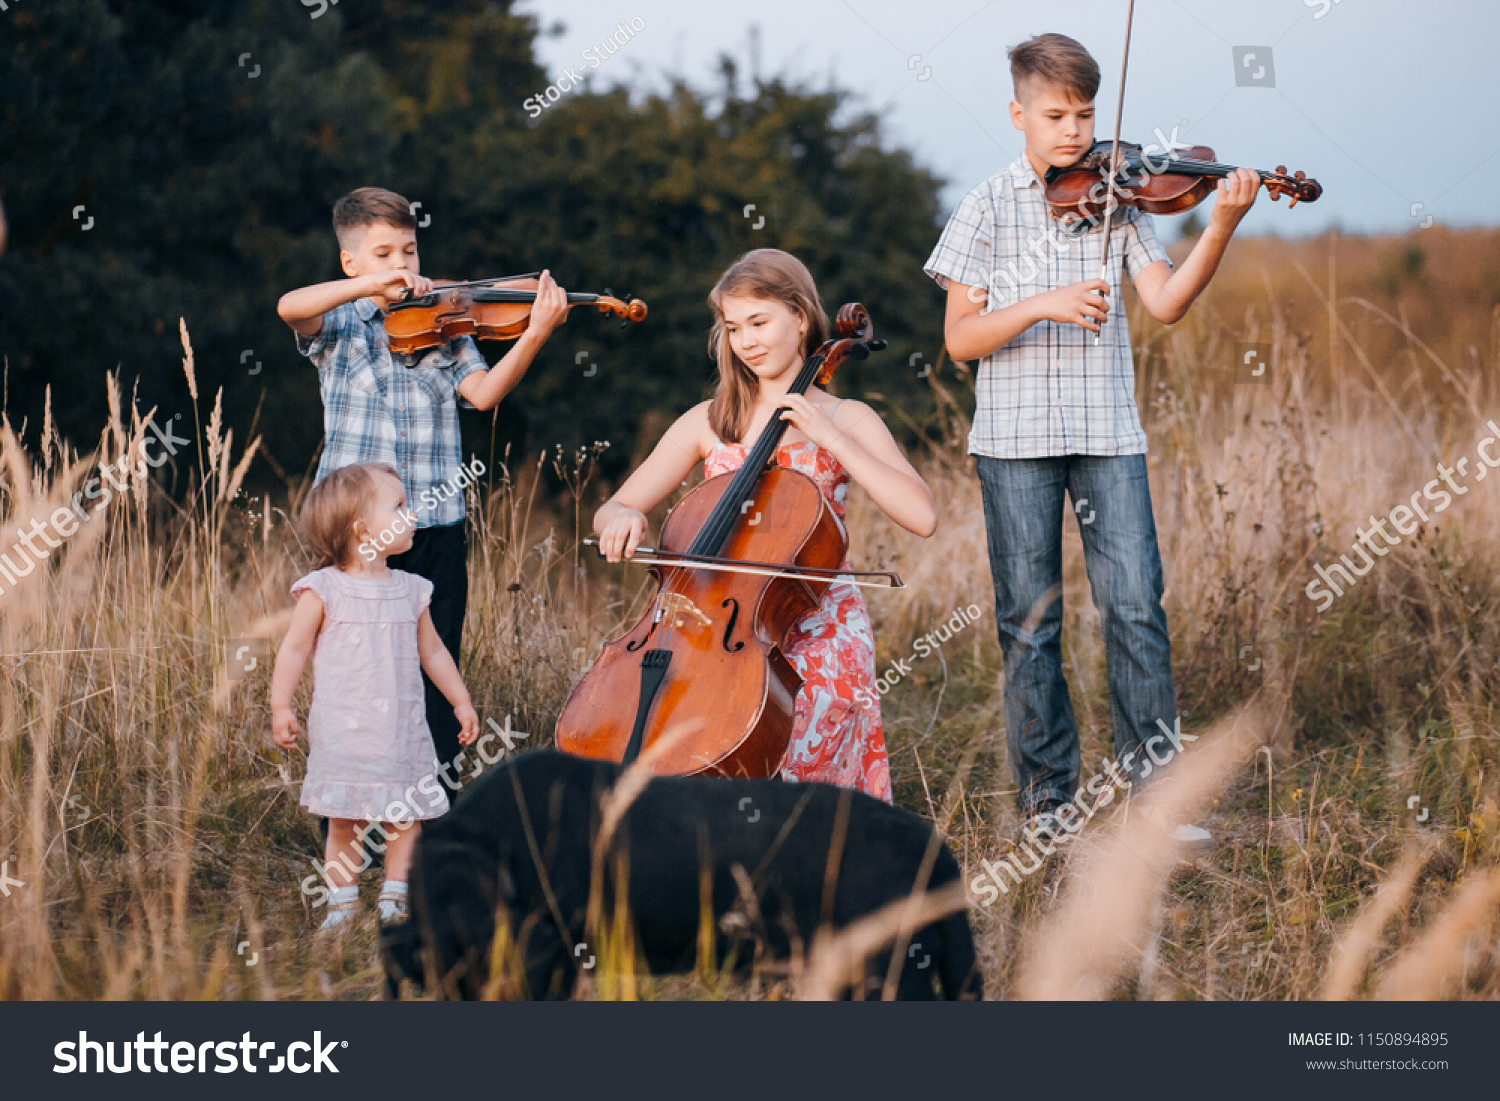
377 410
1056 414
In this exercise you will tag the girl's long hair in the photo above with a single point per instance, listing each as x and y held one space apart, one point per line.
770 274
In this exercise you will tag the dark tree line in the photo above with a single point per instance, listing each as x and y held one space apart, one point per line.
209 176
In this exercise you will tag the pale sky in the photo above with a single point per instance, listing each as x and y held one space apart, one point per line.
1387 103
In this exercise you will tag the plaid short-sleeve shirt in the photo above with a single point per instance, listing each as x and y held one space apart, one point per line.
1050 391
375 410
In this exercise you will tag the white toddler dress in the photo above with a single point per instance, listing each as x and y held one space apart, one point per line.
370 751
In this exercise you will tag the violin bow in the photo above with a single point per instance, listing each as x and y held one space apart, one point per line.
763 569
1114 159
439 288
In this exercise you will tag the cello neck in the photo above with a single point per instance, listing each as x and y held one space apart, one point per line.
716 529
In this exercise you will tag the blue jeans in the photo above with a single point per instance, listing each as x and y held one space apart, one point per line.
1023 514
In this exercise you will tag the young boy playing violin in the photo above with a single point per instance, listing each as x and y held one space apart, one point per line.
1056 414
377 410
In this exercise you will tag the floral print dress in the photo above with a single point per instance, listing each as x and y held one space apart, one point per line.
836 732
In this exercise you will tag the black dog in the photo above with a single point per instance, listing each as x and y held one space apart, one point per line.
803 847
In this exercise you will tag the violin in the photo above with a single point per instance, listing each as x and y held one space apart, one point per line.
1179 180
486 309
707 652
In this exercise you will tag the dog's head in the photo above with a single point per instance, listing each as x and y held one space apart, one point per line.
456 887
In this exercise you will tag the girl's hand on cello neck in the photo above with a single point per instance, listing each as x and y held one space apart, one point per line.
859 439
808 419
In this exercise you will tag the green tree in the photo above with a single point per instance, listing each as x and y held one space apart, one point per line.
210 176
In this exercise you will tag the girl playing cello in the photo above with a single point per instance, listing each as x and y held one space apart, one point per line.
767 319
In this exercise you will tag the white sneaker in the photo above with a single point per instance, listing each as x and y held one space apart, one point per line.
1192 835
343 908
392 902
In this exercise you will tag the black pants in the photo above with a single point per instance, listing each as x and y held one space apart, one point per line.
441 554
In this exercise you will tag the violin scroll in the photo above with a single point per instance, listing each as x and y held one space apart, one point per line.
1298 186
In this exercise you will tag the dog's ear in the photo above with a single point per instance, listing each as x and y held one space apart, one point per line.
398 954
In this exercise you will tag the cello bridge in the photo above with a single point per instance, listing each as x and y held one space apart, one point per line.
680 605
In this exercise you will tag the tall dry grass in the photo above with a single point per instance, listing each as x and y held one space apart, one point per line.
157 833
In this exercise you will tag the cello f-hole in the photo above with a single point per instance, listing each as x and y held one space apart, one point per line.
632 647
734 616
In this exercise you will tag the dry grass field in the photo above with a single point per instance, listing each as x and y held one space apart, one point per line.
154 829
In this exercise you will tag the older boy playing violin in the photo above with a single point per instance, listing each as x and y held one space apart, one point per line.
377 410
1057 414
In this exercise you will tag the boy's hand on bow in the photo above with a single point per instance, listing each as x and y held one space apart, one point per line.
551 308
1235 196
1083 304
392 285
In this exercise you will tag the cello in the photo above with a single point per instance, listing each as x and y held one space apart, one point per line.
731 582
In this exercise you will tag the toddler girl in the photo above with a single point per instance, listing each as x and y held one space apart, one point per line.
369 633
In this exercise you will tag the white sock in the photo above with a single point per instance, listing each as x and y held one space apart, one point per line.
392 899
344 894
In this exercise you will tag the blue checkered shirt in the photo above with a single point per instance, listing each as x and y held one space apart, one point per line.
1050 391
375 410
